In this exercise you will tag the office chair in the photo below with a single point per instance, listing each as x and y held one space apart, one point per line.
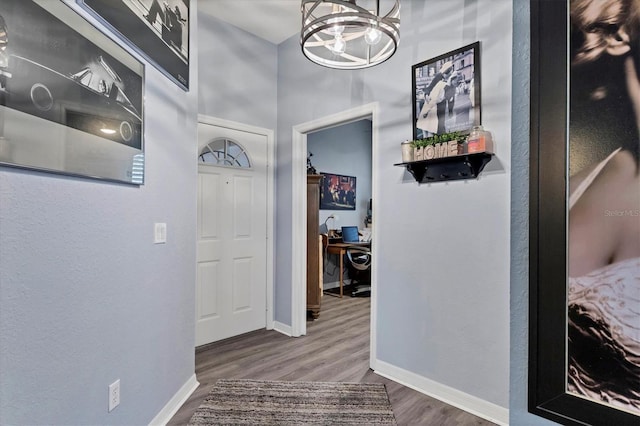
359 270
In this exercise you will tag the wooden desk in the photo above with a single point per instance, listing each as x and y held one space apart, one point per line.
341 249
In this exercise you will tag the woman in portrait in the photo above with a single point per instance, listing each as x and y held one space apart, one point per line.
604 203
433 112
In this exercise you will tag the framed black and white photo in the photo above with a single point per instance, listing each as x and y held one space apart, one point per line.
584 335
157 29
71 100
337 192
446 92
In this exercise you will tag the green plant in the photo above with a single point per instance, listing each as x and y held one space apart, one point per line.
441 138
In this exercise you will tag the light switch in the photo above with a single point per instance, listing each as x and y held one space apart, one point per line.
160 233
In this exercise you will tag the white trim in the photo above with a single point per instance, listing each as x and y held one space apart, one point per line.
282 328
374 253
299 213
174 404
469 403
271 237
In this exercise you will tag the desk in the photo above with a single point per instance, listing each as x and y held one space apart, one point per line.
341 249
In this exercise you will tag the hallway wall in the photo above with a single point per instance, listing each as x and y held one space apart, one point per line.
85 296
443 287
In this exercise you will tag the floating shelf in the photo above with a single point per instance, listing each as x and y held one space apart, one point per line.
465 166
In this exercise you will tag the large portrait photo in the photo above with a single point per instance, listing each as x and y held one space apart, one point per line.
446 92
71 100
157 29
585 212
604 203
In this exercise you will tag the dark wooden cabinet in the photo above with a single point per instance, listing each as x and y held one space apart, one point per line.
314 253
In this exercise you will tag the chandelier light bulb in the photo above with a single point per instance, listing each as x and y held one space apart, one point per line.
372 36
336 27
339 46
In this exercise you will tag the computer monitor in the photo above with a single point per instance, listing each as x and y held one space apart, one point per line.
350 234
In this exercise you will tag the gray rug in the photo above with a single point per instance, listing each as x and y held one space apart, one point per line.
262 402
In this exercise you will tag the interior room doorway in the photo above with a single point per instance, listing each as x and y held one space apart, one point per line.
299 213
342 155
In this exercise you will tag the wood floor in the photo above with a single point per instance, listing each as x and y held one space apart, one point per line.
335 349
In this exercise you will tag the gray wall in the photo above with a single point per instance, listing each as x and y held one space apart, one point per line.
237 74
443 288
345 150
85 296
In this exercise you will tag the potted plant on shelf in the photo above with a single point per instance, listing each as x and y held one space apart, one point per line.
438 146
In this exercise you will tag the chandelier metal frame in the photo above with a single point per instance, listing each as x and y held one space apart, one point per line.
327 23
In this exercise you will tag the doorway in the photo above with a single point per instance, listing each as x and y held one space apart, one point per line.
234 271
343 155
299 213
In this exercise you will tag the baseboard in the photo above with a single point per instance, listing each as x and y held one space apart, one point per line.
283 328
329 286
469 403
174 404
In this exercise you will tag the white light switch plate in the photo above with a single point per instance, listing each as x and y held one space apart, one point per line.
160 233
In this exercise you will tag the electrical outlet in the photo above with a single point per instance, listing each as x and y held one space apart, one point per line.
114 395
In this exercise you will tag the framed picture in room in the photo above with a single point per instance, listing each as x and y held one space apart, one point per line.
158 29
446 92
584 336
71 99
337 192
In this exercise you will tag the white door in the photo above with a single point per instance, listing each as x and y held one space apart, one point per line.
232 233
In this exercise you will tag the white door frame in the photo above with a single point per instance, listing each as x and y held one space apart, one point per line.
269 134
299 213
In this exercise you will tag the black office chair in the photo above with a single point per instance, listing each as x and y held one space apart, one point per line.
359 267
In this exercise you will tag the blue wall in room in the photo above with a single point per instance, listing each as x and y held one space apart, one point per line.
345 150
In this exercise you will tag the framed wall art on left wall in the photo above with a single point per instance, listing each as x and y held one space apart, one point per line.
71 99
157 29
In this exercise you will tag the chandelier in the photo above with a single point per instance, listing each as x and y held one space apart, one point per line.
341 34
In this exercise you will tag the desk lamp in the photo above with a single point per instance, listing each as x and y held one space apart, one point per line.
335 218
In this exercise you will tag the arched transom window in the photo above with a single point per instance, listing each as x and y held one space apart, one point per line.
224 152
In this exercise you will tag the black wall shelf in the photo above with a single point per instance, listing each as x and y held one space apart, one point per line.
465 166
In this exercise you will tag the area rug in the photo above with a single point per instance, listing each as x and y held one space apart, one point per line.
261 402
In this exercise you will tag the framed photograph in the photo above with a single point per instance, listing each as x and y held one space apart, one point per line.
337 192
584 336
157 29
71 100
446 92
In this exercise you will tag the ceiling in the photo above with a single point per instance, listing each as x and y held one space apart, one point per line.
272 20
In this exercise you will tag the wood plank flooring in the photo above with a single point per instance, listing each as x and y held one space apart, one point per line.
335 349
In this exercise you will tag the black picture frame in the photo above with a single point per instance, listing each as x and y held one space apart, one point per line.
548 339
337 192
159 30
455 104
71 99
